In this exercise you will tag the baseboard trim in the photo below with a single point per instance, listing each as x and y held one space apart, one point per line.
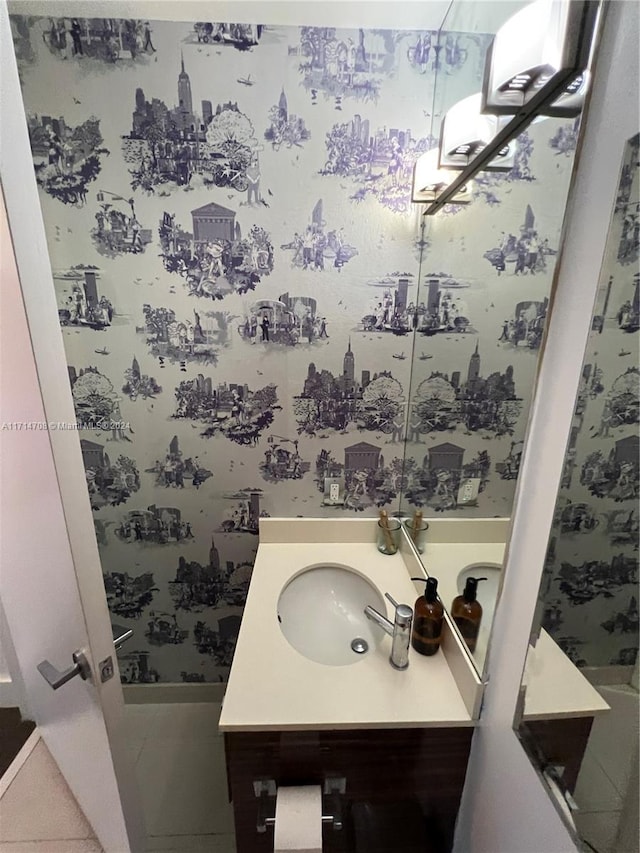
141 694
600 676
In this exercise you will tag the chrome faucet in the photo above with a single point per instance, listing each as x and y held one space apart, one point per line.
399 630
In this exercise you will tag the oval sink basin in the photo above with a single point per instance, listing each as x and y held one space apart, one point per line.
321 613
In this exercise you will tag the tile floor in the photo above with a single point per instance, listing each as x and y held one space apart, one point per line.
179 760
603 783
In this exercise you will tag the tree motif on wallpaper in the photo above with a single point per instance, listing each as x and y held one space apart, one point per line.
65 158
138 384
108 40
127 596
235 411
313 246
442 403
176 471
285 128
622 404
163 630
565 140
437 483
169 145
613 474
378 164
96 403
155 525
215 259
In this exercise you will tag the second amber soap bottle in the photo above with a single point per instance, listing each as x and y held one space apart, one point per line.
427 620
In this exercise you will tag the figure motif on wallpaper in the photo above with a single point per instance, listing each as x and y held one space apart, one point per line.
315 248
437 483
138 384
118 231
229 409
176 471
79 300
184 340
628 314
434 52
521 255
477 403
379 163
445 310
244 515
393 312
135 668
158 525
128 596
368 481
109 40
288 320
163 630
196 587
576 517
282 460
565 139
591 579
285 128
329 402
509 467
215 259
526 326
622 404
171 145
240 36
65 158
627 209
344 63
219 644
613 474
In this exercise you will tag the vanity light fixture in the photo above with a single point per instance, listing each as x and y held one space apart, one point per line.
465 132
429 181
546 38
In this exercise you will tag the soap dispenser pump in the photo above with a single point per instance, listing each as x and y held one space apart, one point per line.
466 612
427 619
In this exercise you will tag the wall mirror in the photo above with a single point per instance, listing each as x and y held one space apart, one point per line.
250 303
579 716
485 276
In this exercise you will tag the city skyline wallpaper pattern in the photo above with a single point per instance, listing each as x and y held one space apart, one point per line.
250 303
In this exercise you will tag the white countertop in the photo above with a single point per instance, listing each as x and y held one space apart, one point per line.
556 688
273 687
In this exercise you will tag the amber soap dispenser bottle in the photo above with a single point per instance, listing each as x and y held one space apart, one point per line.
466 612
427 620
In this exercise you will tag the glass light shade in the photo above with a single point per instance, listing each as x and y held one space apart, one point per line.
545 37
429 181
466 131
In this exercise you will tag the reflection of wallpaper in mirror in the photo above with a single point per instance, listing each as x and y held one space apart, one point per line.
590 584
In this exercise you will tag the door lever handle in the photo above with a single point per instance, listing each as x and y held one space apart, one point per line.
56 679
120 635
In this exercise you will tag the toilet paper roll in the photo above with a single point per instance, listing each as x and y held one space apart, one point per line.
298 827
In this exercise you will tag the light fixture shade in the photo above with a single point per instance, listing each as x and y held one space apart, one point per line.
541 40
465 131
429 181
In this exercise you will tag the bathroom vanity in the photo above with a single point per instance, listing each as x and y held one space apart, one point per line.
396 742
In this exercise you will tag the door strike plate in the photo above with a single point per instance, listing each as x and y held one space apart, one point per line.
106 669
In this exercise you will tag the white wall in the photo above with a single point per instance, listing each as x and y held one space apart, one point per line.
505 808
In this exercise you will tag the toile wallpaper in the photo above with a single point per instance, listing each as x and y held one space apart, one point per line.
590 584
250 303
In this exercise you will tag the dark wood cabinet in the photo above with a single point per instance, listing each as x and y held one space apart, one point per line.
403 786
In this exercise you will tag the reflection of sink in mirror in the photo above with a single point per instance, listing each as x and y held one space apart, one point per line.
321 613
487 595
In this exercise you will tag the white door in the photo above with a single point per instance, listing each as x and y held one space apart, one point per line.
51 580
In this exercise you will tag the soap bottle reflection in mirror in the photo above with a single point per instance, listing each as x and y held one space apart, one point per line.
428 617
466 612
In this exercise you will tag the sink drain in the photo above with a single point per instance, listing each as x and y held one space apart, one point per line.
359 646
